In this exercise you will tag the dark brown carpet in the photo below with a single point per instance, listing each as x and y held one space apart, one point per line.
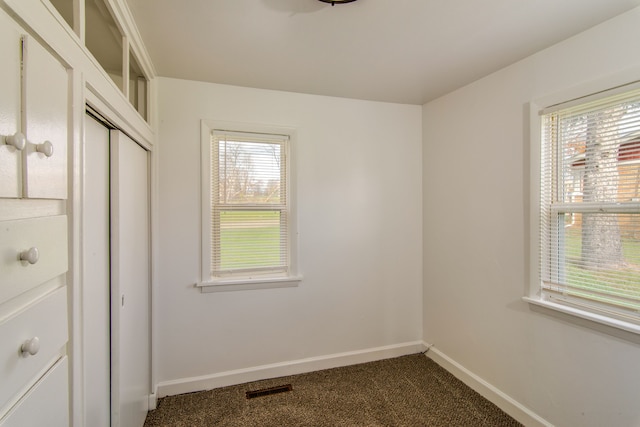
405 391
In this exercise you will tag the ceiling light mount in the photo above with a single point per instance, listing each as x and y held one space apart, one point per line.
334 2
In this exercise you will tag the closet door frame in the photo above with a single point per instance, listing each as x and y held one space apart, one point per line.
144 138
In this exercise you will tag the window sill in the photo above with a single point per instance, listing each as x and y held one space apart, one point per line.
227 285
584 314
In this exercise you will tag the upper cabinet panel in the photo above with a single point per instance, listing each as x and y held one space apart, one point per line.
45 122
138 86
10 143
113 43
65 8
100 38
104 39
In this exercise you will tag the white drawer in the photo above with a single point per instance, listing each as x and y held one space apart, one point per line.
45 319
46 404
48 235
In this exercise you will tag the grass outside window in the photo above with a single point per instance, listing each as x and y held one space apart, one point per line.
623 281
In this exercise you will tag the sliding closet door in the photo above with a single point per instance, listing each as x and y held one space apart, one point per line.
130 281
96 293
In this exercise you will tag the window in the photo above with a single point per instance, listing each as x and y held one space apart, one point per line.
589 208
248 223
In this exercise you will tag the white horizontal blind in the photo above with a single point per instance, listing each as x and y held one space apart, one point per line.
590 204
249 215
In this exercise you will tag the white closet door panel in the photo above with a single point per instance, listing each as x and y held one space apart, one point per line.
96 276
46 95
48 235
10 159
47 404
46 320
130 260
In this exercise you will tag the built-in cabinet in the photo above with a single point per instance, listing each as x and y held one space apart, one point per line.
34 315
45 121
109 45
34 118
49 290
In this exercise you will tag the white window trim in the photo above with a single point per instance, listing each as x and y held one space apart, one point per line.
264 281
533 288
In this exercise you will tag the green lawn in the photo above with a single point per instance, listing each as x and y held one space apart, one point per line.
244 233
622 282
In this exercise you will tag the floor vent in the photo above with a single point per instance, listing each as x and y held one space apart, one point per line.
268 391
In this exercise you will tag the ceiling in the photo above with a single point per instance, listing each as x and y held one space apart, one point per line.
405 51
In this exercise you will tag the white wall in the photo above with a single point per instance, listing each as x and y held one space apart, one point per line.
476 208
360 233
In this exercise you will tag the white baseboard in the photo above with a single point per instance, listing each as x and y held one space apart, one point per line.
294 367
153 401
503 401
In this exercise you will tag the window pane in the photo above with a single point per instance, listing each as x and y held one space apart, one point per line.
250 172
602 256
600 154
249 239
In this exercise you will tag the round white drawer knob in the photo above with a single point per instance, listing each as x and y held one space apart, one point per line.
30 347
31 255
17 140
45 148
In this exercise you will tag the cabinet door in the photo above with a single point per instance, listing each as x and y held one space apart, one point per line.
10 159
45 103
